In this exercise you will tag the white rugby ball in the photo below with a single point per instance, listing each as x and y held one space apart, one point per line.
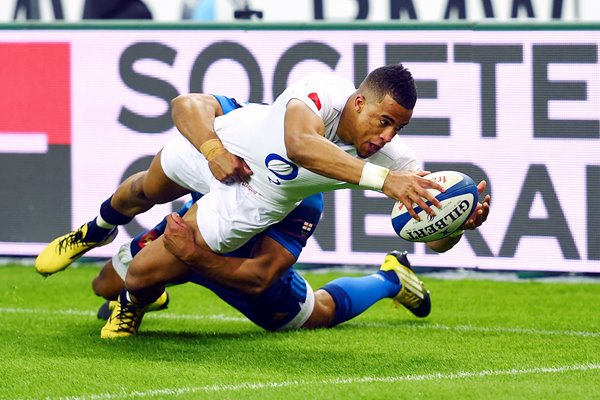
458 203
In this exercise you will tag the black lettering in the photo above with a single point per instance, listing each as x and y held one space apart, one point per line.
398 6
318 9
557 6
361 63
455 214
228 51
456 5
538 181
545 91
592 174
295 55
441 224
517 4
488 57
363 9
438 53
363 206
147 85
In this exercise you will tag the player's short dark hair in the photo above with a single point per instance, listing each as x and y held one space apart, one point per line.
394 80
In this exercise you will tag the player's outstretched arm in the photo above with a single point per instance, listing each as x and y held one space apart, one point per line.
194 115
307 146
247 275
477 218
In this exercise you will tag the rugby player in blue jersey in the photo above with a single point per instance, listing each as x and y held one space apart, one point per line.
258 279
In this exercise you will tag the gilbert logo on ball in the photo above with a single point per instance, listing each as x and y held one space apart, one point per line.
458 203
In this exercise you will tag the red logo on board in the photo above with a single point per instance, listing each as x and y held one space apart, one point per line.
36 90
315 98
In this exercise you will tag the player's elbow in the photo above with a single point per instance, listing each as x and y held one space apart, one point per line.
181 102
256 286
297 150
184 103
260 279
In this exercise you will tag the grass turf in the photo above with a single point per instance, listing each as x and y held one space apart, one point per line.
483 340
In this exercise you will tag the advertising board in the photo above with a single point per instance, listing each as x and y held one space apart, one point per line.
83 109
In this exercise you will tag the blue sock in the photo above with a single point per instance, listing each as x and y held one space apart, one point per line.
112 216
109 218
352 296
95 233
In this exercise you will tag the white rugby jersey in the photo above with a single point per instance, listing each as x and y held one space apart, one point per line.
256 133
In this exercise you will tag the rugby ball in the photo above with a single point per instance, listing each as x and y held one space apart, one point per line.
458 203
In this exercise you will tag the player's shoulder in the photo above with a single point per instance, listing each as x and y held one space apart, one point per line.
324 81
396 155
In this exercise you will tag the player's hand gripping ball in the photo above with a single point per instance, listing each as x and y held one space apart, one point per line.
458 202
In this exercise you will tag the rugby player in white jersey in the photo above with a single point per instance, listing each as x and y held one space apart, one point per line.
315 137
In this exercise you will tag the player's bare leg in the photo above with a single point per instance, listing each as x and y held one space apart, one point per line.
135 195
152 268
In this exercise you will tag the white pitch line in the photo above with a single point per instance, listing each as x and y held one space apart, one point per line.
422 326
338 381
471 328
161 315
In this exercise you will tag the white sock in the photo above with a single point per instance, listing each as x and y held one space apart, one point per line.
103 224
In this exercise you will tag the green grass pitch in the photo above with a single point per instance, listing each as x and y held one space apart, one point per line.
483 340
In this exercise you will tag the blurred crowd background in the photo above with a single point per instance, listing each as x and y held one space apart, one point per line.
302 10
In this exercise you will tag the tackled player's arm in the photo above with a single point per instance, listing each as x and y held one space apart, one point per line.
194 116
248 275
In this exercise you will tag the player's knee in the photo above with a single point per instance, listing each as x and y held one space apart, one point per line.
136 188
102 288
97 287
134 281
323 314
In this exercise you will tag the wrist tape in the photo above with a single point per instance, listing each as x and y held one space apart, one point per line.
373 176
212 148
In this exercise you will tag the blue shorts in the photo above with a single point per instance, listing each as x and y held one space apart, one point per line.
286 304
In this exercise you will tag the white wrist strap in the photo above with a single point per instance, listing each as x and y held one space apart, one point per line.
373 176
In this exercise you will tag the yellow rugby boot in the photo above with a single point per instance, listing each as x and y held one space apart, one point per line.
64 250
413 294
126 316
105 310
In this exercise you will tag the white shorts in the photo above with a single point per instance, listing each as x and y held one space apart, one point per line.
185 165
228 215
122 259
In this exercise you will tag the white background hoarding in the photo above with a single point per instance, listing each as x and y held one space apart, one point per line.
540 151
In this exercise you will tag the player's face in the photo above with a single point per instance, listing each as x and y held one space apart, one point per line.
378 123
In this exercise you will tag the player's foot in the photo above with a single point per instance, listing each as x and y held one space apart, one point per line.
107 307
126 316
64 250
413 294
